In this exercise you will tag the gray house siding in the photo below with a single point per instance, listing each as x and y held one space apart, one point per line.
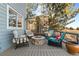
6 34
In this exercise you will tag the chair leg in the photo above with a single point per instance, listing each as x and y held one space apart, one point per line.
49 42
15 47
61 45
27 45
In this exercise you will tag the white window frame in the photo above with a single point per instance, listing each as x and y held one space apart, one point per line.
8 27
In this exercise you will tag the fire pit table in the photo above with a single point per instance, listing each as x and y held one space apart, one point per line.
38 40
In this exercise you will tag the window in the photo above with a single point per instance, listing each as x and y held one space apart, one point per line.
20 21
14 19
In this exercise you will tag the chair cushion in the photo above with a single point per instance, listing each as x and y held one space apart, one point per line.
15 33
14 41
53 39
58 37
51 32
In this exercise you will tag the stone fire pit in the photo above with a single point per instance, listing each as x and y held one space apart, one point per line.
38 40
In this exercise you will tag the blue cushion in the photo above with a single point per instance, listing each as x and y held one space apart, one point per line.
51 32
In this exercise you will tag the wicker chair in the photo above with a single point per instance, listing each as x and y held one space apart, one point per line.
19 41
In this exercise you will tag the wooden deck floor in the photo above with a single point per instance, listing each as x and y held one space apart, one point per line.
34 50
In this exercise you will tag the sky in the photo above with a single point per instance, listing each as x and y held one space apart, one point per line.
38 11
76 23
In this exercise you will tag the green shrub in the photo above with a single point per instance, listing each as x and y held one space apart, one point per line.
77 28
71 28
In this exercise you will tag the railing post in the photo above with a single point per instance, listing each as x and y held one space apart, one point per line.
77 38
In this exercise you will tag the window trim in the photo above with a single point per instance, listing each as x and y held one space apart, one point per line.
12 28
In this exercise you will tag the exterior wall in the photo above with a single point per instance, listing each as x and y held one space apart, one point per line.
6 34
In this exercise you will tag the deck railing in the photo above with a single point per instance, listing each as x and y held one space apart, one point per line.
77 35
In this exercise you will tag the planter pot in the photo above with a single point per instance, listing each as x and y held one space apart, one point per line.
72 48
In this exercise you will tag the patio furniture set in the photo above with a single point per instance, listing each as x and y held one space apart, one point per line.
23 40
53 40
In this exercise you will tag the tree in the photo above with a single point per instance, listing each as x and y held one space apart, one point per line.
38 24
60 13
77 28
30 7
71 28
